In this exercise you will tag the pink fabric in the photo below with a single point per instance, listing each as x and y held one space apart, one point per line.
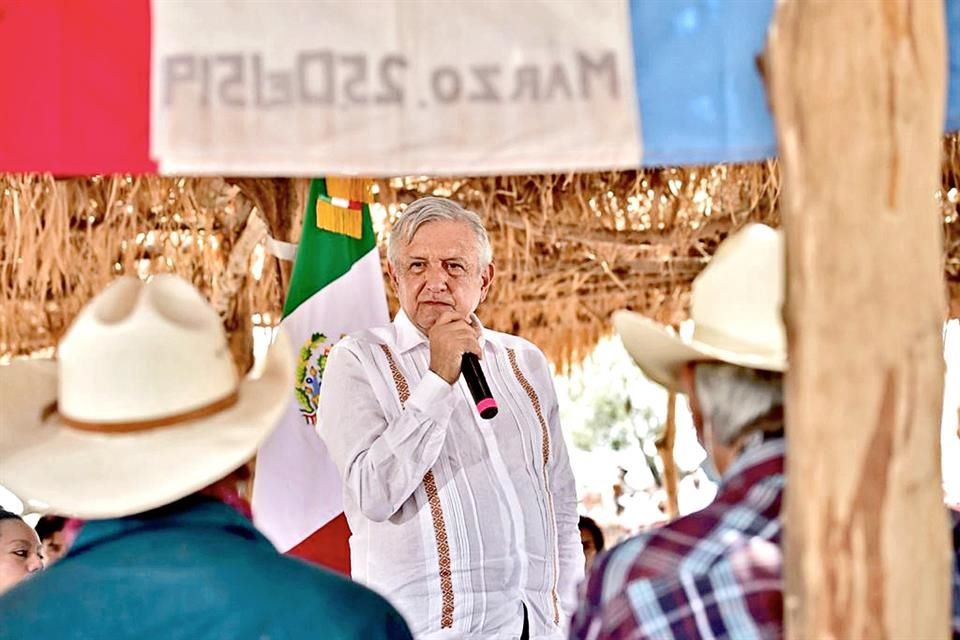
76 96
226 492
71 528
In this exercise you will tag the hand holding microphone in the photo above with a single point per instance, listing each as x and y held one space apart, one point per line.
477 383
455 349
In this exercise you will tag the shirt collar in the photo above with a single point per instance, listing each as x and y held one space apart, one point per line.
194 512
409 336
756 462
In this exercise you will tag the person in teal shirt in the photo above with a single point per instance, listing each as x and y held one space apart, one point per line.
194 569
139 428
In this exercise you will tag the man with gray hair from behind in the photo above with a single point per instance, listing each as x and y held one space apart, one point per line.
716 573
736 406
467 523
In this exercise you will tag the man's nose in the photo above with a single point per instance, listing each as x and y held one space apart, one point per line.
436 278
34 564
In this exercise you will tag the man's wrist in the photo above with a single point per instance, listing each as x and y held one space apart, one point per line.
445 376
434 396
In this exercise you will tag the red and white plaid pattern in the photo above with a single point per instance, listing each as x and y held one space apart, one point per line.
716 573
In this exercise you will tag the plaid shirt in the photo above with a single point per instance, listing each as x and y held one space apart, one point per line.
715 573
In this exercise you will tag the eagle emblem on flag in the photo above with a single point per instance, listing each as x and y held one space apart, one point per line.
312 362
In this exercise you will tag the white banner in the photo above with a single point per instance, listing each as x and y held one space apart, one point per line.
379 88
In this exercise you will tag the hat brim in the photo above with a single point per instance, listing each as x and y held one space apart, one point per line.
660 352
58 469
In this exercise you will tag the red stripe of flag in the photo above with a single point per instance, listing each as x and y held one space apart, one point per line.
328 546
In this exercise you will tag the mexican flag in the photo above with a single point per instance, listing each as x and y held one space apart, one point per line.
336 288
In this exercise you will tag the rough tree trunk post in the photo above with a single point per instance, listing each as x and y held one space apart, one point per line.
280 201
858 92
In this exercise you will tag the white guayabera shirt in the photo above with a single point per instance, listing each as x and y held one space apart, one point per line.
457 520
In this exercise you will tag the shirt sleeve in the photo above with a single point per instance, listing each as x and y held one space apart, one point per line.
382 461
563 486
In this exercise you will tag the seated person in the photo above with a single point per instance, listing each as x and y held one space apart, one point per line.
20 550
717 572
56 534
591 537
146 420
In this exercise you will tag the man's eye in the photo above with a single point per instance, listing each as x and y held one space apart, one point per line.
453 266
21 553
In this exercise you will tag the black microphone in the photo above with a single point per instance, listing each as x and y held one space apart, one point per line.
477 383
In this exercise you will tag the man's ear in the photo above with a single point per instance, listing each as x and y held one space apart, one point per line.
486 279
688 388
685 379
393 278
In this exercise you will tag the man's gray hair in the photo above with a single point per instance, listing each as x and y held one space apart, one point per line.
430 209
731 398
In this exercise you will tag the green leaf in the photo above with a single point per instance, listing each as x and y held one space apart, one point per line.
303 399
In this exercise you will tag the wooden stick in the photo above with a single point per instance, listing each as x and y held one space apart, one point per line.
665 450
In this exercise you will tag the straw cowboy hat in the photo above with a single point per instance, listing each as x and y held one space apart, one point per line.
143 406
735 308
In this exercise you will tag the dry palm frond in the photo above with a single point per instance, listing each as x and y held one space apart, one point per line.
572 249
569 249
61 241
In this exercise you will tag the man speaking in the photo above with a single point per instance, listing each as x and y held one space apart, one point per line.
467 524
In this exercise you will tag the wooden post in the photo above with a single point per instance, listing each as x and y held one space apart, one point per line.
858 92
280 201
665 447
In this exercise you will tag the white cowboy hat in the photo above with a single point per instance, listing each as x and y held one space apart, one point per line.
142 407
735 311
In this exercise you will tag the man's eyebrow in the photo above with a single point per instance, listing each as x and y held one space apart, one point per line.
447 259
20 540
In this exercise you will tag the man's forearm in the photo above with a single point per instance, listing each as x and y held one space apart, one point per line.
382 461
385 474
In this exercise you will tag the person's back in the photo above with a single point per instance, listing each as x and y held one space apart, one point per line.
714 572
154 454
718 572
196 569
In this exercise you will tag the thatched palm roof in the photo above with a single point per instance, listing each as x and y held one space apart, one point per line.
569 249
573 249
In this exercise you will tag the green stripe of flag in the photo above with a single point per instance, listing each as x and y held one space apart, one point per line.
324 256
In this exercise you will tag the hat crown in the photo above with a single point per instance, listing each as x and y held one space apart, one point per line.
142 351
737 299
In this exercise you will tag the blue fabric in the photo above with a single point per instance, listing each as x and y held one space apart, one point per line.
194 570
953 44
700 94
701 97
